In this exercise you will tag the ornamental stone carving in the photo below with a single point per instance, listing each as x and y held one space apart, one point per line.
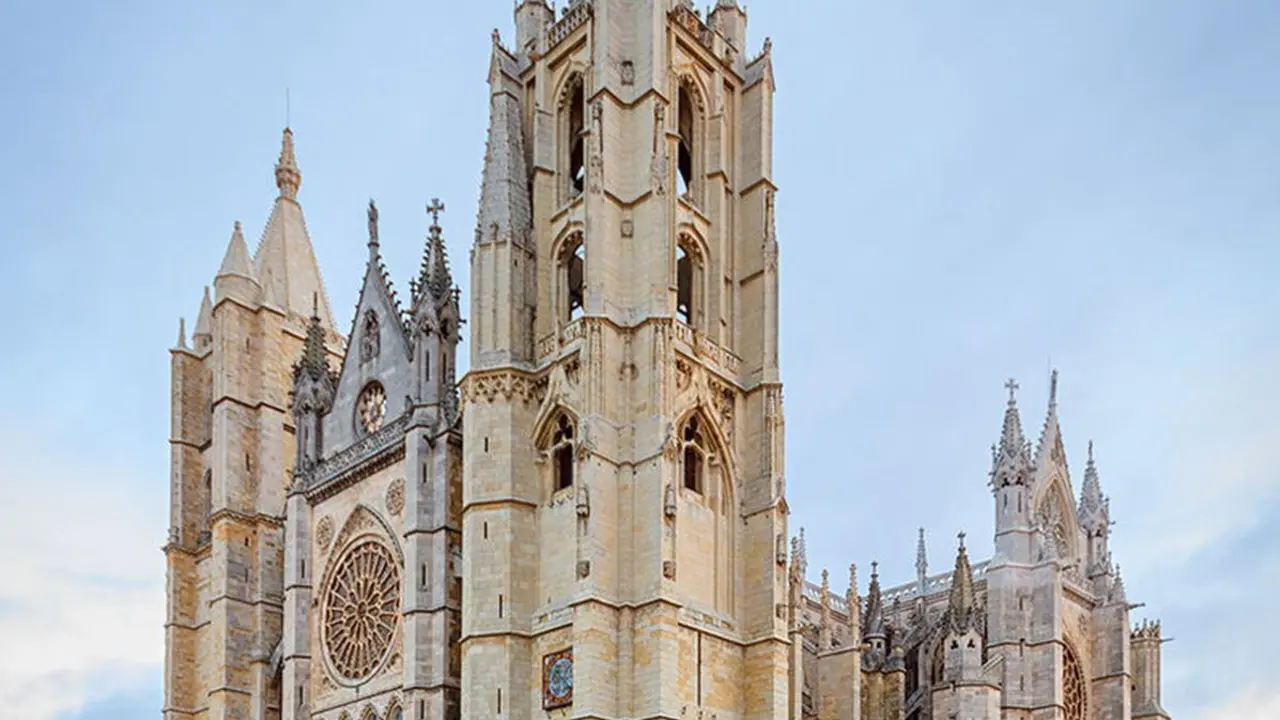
324 533
395 497
361 611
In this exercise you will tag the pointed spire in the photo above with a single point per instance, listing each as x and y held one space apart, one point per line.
1011 437
961 605
182 334
288 176
315 361
505 200
804 552
1091 498
284 256
854 603
435 281
236 261
204 320
922 560
1118 594
1010 459
824 626
1050 445
874 621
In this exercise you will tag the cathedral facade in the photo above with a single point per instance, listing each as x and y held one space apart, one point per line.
592 522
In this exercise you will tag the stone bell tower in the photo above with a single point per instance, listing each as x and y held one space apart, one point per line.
624 500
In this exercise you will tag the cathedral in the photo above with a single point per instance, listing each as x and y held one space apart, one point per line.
591 522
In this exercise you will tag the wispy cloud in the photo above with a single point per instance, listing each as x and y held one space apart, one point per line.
81 581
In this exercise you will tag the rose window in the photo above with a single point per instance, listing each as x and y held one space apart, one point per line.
371 408
361 609
1073 690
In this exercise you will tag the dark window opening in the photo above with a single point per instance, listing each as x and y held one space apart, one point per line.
684 162
577 142
693 457
576 272
684 285
562 444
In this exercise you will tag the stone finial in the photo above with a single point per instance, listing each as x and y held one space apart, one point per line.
961 604
922 557
288 176
373 226
1053 389
182 334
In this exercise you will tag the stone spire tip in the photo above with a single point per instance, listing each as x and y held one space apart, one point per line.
288 176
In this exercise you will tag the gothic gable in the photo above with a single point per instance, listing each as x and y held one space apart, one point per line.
377 374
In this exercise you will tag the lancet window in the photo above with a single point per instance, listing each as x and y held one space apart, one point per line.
689 282
689 127
1074 697
695 455
562 441
572 271
573 138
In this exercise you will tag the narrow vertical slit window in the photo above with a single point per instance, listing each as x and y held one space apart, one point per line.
573 278
684 285
562 453
688 144
577 140
694 454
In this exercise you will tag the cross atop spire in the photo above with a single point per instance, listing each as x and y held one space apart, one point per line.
434 209
962 536
1012 386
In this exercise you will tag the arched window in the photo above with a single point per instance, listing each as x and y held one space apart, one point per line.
689 267
695 455
686 161
572 271
562 453
573 139
1075 701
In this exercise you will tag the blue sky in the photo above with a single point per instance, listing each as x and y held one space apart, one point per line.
969 191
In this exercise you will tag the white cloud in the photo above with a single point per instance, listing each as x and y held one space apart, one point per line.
1251 703
81 582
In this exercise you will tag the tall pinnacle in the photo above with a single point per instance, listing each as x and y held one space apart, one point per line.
1011 437
288 176
1010 459
961 590
315 362
434 279
922 558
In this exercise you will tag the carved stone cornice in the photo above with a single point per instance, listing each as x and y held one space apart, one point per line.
361 459
510 384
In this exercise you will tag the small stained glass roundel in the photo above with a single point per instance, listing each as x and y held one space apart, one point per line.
557 679
371 408
361 610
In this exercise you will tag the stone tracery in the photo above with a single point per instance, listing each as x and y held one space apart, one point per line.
361 610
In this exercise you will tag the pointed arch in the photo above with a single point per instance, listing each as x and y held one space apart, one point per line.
557 437
691 120
571 124
369 713
1055 515
394 711
569 258
361 522
692 258
1075 689
720 443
